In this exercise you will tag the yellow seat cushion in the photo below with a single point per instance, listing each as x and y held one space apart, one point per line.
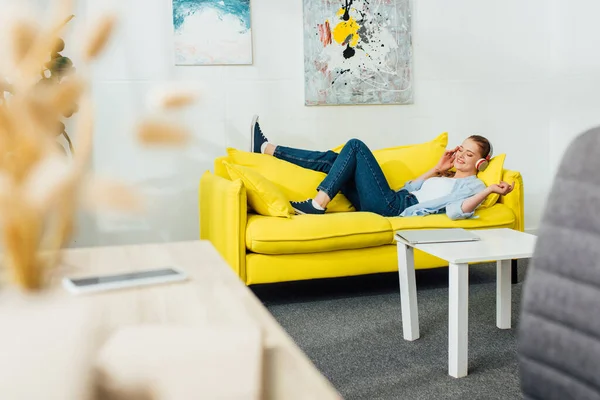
402 163
492 174
497 216
266 268
263 196
316 233
296 183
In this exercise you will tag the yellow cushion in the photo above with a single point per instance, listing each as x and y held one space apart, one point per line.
397 173
492 174
431 150
220 169
262 268
296 183
264 197
316 233
497 216
402 163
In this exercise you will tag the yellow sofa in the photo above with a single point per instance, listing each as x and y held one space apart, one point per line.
267 249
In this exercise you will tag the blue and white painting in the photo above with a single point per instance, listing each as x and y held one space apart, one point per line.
209 32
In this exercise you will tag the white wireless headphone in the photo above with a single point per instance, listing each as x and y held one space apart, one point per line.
483 163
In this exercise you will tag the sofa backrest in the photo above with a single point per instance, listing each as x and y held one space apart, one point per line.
559 330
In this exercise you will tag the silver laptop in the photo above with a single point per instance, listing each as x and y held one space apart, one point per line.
437 235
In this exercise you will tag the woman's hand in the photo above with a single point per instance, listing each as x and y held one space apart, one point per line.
447 160
445 163
501 188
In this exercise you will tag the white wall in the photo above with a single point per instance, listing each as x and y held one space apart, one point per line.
575 79
523 74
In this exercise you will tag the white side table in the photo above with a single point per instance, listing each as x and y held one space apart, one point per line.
500 245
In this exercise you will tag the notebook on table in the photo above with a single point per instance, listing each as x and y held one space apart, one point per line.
437 235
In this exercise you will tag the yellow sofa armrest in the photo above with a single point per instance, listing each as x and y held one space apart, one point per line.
515 200
223 215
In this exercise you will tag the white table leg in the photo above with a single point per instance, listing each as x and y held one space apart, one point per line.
503 294
458 320
408 292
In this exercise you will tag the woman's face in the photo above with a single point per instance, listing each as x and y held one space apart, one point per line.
466 156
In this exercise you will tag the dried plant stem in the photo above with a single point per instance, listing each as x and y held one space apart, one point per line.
162 133
24 35
85 134
177 99
99 37
102 194
60 227
64 97
21 236
68 139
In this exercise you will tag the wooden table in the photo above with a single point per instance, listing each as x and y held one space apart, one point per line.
214 296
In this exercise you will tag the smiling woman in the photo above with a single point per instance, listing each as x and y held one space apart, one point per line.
212 32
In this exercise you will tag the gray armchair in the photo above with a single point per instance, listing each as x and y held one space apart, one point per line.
559 329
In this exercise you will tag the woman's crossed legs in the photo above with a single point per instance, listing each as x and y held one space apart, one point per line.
354 171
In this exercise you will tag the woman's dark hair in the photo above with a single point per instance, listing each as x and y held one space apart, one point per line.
483 143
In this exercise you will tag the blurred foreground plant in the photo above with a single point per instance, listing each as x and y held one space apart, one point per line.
53 71
40 190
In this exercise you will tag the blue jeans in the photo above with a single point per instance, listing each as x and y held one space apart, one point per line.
355 173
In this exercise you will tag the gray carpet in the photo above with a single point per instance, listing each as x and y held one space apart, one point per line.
351 329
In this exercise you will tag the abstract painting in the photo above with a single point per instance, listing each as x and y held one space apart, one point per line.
212 32
357 52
